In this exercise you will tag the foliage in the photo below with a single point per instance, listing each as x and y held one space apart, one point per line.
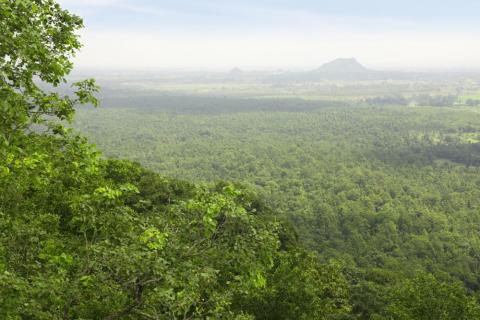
424 297
37 41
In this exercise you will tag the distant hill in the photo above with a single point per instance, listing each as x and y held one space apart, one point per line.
348 69
343 66
343 69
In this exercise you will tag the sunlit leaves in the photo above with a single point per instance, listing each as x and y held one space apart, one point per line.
153 238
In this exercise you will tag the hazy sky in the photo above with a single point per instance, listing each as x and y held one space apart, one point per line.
290 34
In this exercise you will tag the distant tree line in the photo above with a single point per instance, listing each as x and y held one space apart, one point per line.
421 100
472 102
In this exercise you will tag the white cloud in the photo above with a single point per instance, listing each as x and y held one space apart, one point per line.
271 38
380 49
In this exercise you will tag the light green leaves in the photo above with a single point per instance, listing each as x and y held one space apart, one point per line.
154 239
258 279
217 206
109 193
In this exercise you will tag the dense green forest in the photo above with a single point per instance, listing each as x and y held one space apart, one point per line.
227 208
390 192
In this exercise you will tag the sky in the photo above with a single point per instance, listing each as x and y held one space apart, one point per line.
278 34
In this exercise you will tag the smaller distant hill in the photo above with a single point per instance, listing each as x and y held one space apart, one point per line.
236 72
